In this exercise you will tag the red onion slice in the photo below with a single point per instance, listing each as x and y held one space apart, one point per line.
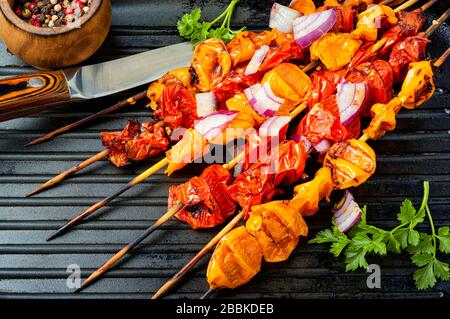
282 18
251 91
346 213
311 27
350 100
213 124
257 60
206 103
323 146
273 125
265 102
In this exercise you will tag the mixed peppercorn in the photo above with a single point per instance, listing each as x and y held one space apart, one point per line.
51 13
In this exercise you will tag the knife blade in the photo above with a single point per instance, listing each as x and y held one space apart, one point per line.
35 92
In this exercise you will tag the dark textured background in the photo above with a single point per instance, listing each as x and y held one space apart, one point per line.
30 267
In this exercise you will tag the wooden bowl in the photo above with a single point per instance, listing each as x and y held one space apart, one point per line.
58 47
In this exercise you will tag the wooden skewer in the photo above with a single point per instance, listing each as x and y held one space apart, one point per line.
137 180
387 2
164 218
130 101
70 171
428 4
209 293
168 285
439 61
437 23
177 277
407 4
169 214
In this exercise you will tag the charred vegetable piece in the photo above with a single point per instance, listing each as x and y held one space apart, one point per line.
235 261
277 228
256 185
378 76
323 85
191 147
308 195
323 122
155 91
418 85
335 50
137 142
178 107
383 118
351 163
411 49
210 64
376 17
205 198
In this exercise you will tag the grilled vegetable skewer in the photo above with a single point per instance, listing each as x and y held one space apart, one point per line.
193 145
132 100
417 88
137 142
181 76
116 258
170 213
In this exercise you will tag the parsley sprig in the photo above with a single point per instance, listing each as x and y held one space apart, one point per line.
190 27
365 239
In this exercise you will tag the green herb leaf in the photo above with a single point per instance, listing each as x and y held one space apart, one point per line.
393 244
444 240
425 245
402 237
190 27
364 240
441 270
424 277
421 260
413 237
324 236
407 212
355 258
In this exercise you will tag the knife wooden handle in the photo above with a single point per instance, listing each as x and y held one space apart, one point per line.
31 93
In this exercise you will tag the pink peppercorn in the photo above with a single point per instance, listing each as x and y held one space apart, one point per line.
68 11
32 5
36 23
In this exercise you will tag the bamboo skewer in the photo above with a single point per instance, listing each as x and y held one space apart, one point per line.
179 275
137 180
439 61
169 284
164 218
436 23
130 101
169 214
407 4
209 293
58 178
